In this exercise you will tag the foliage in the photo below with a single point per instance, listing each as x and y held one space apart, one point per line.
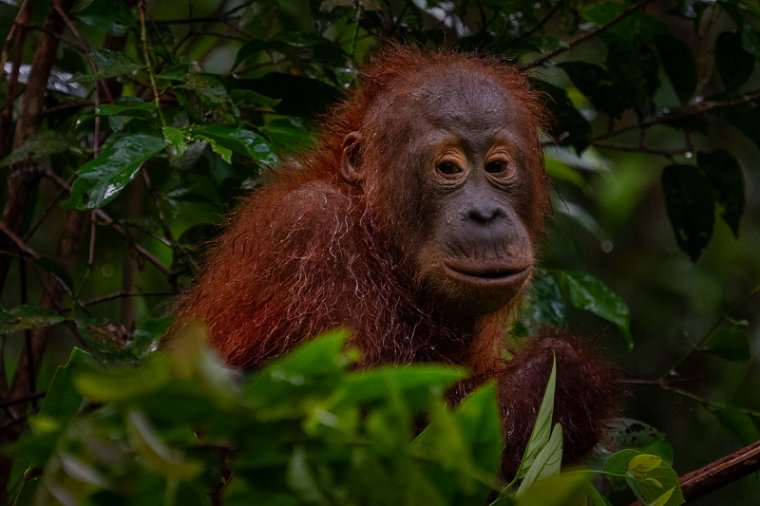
129 129
181 428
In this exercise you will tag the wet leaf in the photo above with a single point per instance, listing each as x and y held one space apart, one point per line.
101 179
589 294
243 142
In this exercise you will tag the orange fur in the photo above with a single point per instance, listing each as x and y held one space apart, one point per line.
307 253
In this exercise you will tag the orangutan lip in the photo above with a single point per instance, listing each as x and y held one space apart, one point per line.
490 275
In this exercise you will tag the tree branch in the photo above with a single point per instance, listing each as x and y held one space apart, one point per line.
722 471
23 175
587 35
719 473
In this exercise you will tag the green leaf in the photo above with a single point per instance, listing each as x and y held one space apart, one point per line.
288 135
44 144
635 70
133 108
62 400
315 366
598 85
292 42
301 479
243 142
27 317
739 423
299 95
108 64
156 454
559 490
480 421
548 462
101 179
637 435
678 61
727 181
589 294
691 207
176 138
545 304
542 427
568 126
648 476
124 384
734 63
110 16
743 118
729 341
373 385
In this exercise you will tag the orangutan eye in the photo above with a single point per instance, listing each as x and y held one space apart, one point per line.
448 168
497 167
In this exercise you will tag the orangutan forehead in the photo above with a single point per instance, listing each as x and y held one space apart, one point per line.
449 96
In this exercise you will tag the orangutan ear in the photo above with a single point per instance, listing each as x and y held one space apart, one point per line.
350 160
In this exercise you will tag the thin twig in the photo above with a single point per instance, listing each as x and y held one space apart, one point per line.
20 400
116 226
538 25
697 110
588 35
123 294
148 63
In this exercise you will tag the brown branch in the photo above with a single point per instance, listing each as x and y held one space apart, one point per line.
16 37
697 110
21 400
587 35
23 175
721 472
636 148
123 295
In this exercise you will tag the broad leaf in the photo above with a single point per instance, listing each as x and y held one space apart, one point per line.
561 490
589 294
679 65
108 64
598 85
741 424
729 341
650 478
101 179
568 126
691 207
727 181
110 16
243 142
27 317
734 63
